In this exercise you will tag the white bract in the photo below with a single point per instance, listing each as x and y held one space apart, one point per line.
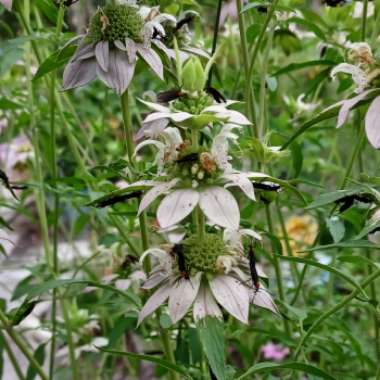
155 122
114 60
228 286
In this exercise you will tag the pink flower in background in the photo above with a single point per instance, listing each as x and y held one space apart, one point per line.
275 352
7 4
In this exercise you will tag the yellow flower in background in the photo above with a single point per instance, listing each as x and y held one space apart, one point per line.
302 231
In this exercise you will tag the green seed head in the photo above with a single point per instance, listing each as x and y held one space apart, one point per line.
202 254
116 22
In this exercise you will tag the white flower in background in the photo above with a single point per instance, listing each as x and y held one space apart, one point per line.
7 4
198 178
359 76
300 105
358 9
205 274
362 71
117 36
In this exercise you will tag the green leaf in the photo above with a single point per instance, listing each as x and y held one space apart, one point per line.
302 65
115 195
336 228
328 198
269 366
55 61
39 355
342 245
160 362
361 260
297 159
48 8
370 226
36 290
7 104
309 25
327 268
211 333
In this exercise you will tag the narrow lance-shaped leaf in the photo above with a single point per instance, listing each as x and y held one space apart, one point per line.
211 333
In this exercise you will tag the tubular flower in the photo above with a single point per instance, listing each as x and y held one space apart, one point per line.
196 176
206 275
117 36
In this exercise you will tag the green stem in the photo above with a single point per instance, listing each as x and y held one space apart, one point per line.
54 170
168 351
333 310
261 122
299 286
295 272
364 20
249 93
215 39
70 341
353 157
127 125
277 267
256 49
127 122
375 317
11 356
22 346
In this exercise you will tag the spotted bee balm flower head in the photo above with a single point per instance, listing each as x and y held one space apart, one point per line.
197 176
117 36
206 275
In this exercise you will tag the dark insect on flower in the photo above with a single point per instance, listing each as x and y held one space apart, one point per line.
267 186
66 3
335 3
192 157
347 202
323 51
252 267
4 179
262 9
218 97
178 251
188 19
128 261
111 200
168 96
17 315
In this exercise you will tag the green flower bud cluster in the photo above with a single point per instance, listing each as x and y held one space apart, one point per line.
116 22
193 75
201 254
195 105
